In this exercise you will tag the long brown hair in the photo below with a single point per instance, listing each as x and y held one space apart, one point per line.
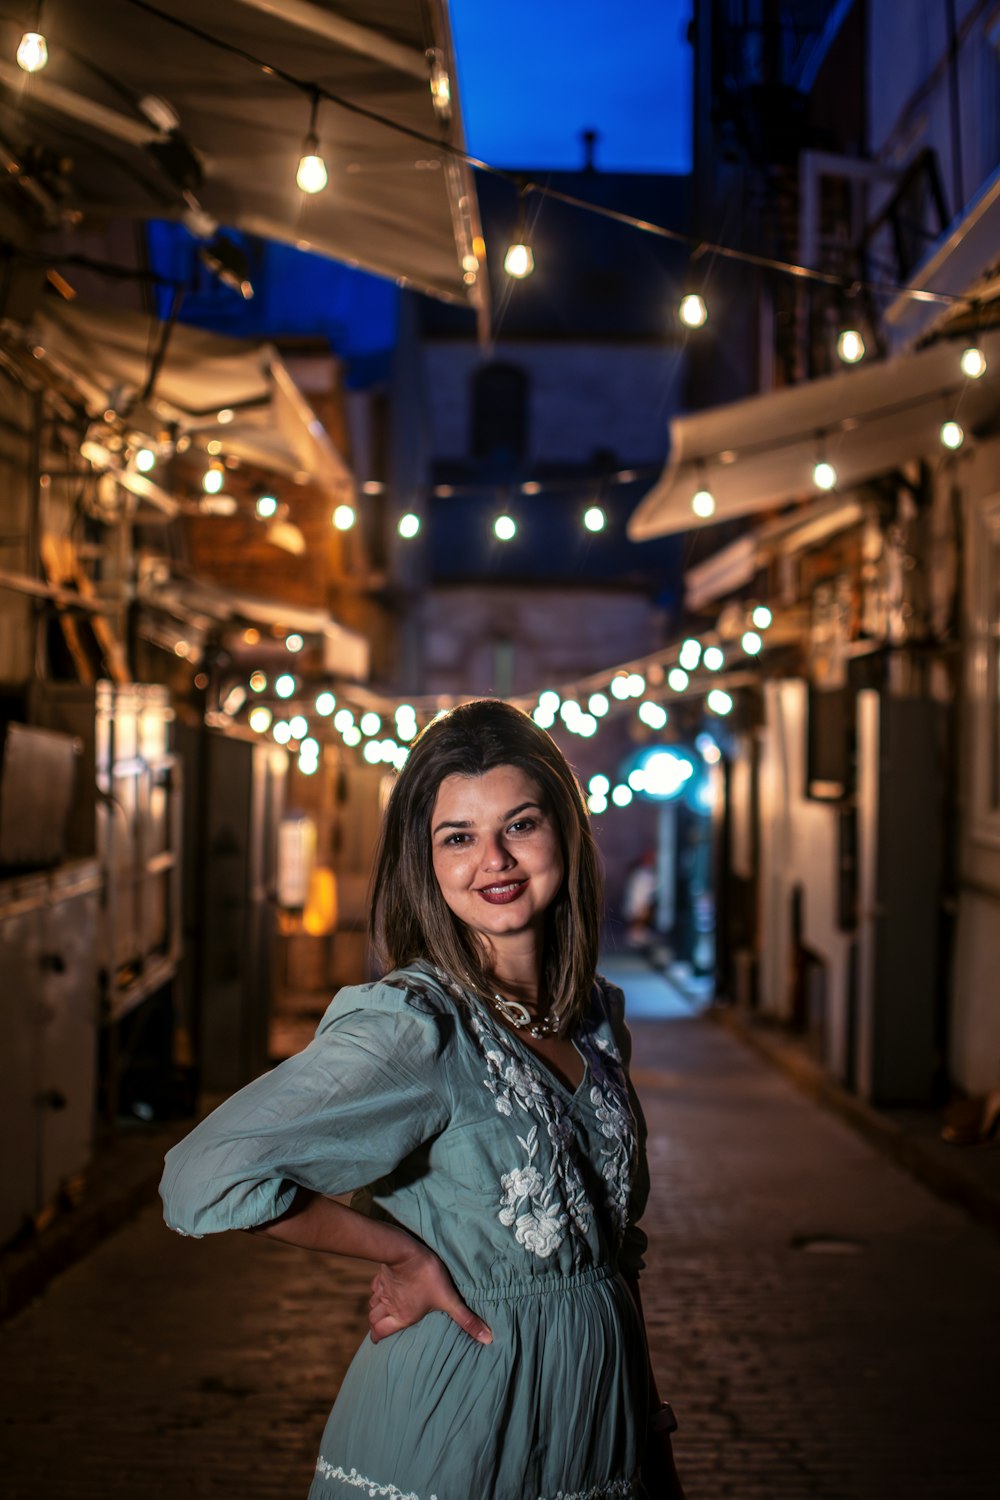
409 917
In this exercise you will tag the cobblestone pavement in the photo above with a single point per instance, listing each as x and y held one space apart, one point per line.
161 1368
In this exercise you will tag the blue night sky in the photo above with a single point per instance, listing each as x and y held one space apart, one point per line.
533 74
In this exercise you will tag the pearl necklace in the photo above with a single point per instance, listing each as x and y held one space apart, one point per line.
519 1016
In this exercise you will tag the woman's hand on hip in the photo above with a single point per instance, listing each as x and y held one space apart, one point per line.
407 1288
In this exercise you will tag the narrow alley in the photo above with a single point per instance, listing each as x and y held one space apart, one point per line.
824 1326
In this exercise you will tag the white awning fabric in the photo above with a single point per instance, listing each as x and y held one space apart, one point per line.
403 207
759 453
106 353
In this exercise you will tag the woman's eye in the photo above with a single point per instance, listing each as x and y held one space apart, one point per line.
523 825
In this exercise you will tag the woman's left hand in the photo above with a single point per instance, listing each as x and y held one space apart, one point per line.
659 1476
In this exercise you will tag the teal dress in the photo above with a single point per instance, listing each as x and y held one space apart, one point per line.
417 1098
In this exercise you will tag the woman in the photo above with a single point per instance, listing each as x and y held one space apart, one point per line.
476 1100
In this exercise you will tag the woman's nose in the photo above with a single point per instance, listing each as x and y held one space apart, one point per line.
496 855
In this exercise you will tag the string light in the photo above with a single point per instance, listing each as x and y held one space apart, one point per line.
952 435
258 682
543 717
285 685
703 503
620 687
282 732
408 525
505 528
352 736
751 642
761 616
636 684
599 785
145 460
689 655
824 475
594 518
325 704
371 723
677 679
652 714
598 705
299 725
213 479
621 795
519 261
312 176
344 517
714 658
850 346
372 752
719 702
267 506
597 803
32 51
549 701
692 310
294 642
973 362
259 719
343 720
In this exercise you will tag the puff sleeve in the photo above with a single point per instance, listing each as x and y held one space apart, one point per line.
339 1116
635 1241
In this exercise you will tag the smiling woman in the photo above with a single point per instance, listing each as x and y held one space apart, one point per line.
479 1099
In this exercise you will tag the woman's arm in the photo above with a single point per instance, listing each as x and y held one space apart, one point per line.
411 1281
659 1475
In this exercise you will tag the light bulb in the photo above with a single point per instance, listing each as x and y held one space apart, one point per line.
703 503
145 460
973 362
598 705
505 528
325 704
344 517
677 679
719 702
762 617
258 682
260 719
751 642
850 346
352 735
690 654
594 518
692 310
599 784
952 435
281 732
408 525
543 717
636 684
824 475
621 796
620 687
343 720
267 506
32 52
372 752
653 714
213 479
519 261
597 802
714 659
370 723
299 725
294 642
312 176
549 701
285 685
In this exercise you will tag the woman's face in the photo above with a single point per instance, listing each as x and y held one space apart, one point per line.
495 852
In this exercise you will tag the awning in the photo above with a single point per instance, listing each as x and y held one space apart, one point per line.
402 207
759 453
267 420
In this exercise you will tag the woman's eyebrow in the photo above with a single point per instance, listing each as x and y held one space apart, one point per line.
465 822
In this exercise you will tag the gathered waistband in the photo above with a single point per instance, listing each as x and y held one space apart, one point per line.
536 1286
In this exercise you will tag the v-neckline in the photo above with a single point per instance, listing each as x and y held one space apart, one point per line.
540 1064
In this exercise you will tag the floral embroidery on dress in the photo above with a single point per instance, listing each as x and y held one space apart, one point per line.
616 1489
361 1482
542 1209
